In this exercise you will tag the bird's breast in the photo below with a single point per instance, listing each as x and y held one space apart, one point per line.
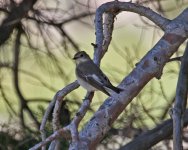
86 85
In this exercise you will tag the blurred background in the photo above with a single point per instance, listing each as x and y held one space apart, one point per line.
38 39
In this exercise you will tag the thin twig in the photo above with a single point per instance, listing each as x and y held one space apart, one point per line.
23 101
180 102
55 135
175 59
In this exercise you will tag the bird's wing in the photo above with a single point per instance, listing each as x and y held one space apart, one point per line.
95 82
106 83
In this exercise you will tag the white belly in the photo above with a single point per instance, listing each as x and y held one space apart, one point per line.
85 85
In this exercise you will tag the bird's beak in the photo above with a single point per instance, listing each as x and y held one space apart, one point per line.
74 57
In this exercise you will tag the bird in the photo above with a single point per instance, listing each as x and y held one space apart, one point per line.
91 77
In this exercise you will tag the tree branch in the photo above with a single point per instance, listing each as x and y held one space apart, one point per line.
115 7
60 133
175 59
23 102
72 127
180 102
151 137
57 102
13 19
150 66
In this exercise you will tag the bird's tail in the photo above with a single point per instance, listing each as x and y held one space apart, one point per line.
116 89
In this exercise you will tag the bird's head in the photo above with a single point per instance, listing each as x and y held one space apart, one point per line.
80 57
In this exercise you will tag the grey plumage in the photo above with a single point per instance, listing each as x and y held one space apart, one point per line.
90 76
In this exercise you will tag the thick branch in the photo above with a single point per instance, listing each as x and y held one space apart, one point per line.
148 139
149 67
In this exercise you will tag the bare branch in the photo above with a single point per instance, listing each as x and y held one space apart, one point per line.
180 102
57 102
151 137
52 137
72 127
114 8
44 121
65 21
150 66
14 18
175 59
108 29
23 102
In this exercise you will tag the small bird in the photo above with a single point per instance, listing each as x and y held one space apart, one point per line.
90 76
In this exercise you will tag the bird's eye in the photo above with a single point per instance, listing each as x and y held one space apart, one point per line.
81 55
